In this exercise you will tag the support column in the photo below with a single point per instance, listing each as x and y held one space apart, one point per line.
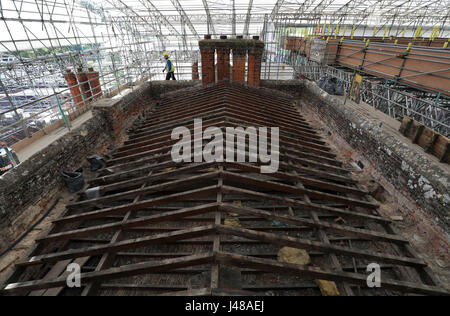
75 91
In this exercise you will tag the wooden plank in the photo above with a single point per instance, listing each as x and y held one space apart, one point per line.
405 125
430 145
295 190
186 120
425 137
233 292
143 191
445 154
122 245
166 216
130 173
324 238
306 180
235 110
140 205
193 292
215 269
122 185
115 273
165 134
144 287
107 258
430 141
304 205
341 229
57 290
302 159
54 272
212 118
181 287
203 231
315 273
417 134
306 149
314 245
317 172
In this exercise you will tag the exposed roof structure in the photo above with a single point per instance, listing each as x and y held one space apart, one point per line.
211 228
80 76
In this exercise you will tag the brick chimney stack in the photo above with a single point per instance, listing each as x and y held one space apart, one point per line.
239 60
75 91
254 65
207 53
223 60
195 75
239 47
84 84
94 82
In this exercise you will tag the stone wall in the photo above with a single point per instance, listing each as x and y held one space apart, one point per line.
415 174
291 87
36 179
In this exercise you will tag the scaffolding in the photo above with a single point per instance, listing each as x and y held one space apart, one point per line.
123 41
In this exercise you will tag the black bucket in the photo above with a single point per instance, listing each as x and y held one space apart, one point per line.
73 180
331 85
97 162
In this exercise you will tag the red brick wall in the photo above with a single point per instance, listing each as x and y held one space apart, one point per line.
94 82
84 84
254 66
195 75
75 91
223 64
240 47
239 58
207 65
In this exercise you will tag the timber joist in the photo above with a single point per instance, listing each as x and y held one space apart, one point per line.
188 223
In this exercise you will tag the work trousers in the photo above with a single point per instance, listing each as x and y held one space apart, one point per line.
170 75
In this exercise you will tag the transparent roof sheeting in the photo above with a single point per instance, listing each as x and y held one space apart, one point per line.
183 22
123 41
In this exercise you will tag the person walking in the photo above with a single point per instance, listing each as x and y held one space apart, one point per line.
169 67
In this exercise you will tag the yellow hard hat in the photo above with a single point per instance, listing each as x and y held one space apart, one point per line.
165 54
